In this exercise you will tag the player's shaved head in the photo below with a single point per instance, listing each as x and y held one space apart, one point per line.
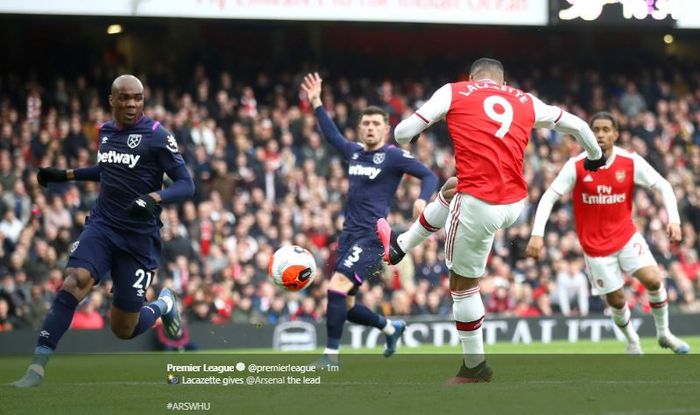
487 68
126 82
126 100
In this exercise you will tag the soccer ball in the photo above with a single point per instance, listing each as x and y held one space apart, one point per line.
292 268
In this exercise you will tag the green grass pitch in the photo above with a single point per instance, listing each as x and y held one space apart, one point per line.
556 378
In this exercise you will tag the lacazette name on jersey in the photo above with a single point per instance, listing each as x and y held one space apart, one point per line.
475 86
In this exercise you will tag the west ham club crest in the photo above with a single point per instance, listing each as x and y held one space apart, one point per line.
133 140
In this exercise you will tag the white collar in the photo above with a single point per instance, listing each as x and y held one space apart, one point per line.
611 160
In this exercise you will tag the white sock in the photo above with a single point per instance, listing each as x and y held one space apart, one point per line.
468 310
332 354
431 220
621 318
168 304
659 309
39 369
389 329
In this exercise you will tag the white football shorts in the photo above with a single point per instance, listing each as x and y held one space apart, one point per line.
470 229
605 272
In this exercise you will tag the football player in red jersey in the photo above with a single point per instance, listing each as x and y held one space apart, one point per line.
602 202
490 124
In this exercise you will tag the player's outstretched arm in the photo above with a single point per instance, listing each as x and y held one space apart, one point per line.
171 162
406 163
182 187
544 209
571 124
552 117
562 184
46 175
311 86
85 174
645 175
312 89
428 114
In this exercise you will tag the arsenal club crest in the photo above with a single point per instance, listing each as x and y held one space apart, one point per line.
620 175
133 140
379 158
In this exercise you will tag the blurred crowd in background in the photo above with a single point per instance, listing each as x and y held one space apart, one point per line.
266 177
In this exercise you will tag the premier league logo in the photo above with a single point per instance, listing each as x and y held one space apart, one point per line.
133 140
379 158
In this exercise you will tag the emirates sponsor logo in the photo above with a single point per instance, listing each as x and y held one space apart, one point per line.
604 196
600 199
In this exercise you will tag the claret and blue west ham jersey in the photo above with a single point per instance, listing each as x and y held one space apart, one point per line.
132 162
374 177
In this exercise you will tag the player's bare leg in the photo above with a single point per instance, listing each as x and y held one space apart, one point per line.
430 221
621 316
122 322
651 279
77 284
468 312
129 324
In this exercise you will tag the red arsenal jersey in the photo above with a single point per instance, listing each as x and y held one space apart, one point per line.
490 126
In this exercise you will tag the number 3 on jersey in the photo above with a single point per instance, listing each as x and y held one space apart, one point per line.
505 118
350 260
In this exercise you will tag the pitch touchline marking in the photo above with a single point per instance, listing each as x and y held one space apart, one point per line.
614 382
536 382
128 383
657 412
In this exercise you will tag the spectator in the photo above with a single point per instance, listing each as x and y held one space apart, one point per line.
572 288
19 202
7 321
307 311
36 308
631 101
87 317
11 226
265 178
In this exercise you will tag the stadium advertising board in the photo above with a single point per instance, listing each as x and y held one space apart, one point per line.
487 12
690 16
619 12
298 336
